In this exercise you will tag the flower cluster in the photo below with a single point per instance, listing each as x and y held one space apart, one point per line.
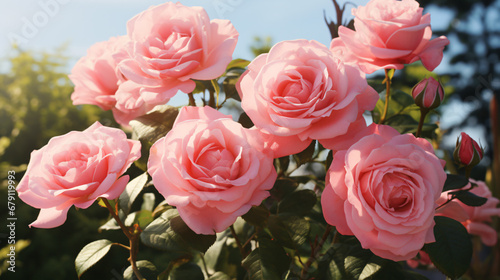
382 187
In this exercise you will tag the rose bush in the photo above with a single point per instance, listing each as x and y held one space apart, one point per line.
76 169
300 91
321 195
389 34
383 190
211 168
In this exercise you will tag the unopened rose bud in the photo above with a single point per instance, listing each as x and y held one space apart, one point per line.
467 153
428 93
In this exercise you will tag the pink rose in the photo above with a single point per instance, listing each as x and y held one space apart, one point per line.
172 44
389 34
299 92
211 168
383 189
95 76
98 82
467 152
76 169
475 219
428 93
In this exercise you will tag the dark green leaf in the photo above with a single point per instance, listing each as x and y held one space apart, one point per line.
289 231
257 216
131 192
350 261
402 98
146 268
155 124
329 159
245 120
280 232
454 182
267 262
284 162
394 271
160 235
91 254
402 123
219 276
300 202
198 242
469 198
306 155
283 187
187 271
452 251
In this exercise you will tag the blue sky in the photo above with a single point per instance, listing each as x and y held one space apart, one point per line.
50 23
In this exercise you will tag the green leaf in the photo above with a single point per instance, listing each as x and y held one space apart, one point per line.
187 271
257 216
143 218
91 254
160 235
237 63
229 84
198 242
452 251
146 268
402 98
219 276
131 192
245 120
300 202
402 123
283 187
350 261
155 124
289 231
306 155
469 198
267 262
454 182
394 271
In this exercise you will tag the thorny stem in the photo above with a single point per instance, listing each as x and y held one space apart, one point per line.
387 95
315 252
132 237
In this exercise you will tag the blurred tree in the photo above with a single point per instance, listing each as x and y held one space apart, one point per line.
35 104
261 45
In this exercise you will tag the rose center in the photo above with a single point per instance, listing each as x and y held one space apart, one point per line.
216 161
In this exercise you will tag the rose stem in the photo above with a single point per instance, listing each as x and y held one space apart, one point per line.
387 95
211 100
192 102
423 113
238 242
131 237
315 252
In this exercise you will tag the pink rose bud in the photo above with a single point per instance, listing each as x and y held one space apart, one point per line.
467 151
428 93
